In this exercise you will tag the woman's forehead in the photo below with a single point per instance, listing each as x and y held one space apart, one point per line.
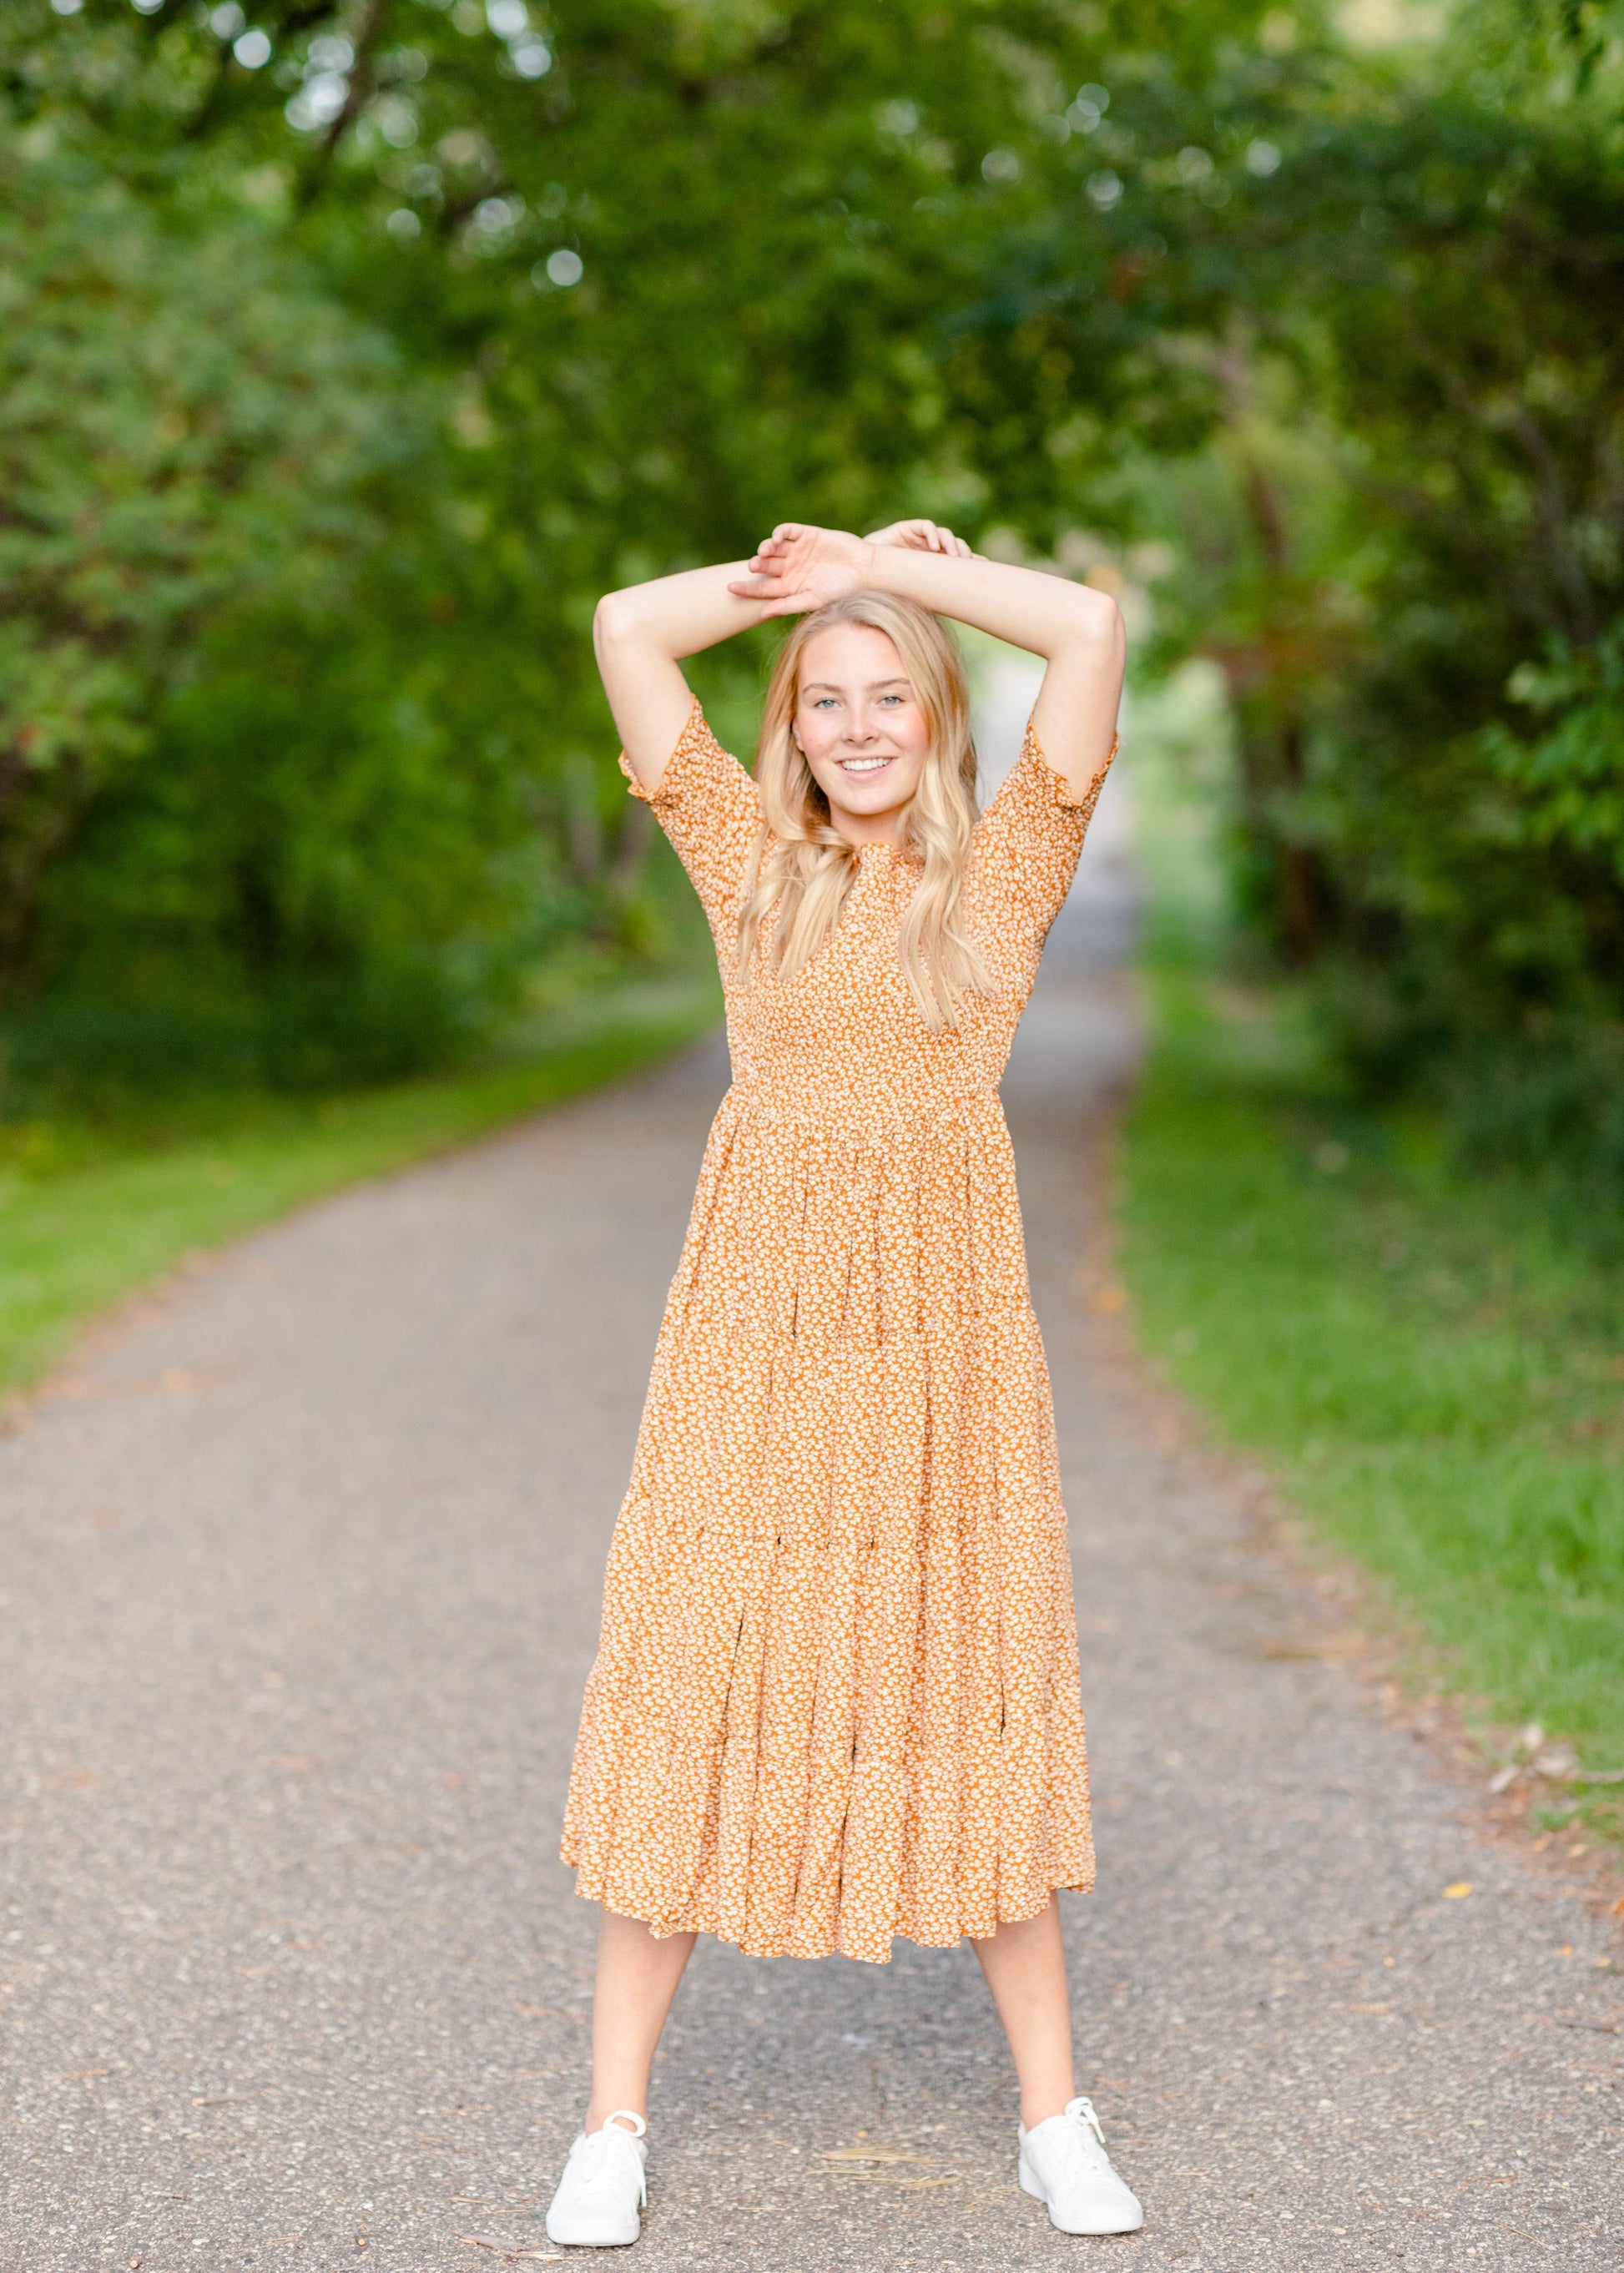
843 653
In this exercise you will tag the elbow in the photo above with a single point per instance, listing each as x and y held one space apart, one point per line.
1096 627
612 620
1099 620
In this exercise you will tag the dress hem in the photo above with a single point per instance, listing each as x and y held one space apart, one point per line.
1020 1915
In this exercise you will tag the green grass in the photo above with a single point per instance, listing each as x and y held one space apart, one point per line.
90 1212
1432 1373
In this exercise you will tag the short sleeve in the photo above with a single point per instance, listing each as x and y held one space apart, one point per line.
707 805
1025 851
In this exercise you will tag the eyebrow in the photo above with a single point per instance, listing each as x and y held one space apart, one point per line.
900 680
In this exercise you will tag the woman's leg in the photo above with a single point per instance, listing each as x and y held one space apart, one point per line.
1025 1966
637 1977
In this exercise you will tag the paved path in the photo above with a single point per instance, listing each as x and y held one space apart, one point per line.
301 1569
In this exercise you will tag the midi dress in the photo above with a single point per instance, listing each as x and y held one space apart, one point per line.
836 1697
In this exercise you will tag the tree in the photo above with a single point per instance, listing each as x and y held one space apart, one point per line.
594 295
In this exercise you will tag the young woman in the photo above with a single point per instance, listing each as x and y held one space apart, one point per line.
836 1697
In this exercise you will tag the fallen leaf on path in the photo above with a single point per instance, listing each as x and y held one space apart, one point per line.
1602 2028
1461 1886
1109 1297
873 2155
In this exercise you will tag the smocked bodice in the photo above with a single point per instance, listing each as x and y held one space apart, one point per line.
844 1039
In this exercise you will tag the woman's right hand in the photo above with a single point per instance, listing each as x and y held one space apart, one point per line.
922 536
801 567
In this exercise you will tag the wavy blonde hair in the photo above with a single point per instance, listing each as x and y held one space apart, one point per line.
802 864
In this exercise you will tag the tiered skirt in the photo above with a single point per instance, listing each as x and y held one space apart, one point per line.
836 1697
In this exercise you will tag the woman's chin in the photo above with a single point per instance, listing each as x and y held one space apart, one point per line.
870 809
886 791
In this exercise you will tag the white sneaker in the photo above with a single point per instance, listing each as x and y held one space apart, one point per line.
1063 2162
603 2185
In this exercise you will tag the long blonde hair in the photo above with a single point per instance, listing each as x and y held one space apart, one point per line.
802 864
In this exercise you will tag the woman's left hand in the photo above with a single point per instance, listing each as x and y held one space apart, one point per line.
800 568
921 536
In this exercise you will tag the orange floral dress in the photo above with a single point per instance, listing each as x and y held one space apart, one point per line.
836 1696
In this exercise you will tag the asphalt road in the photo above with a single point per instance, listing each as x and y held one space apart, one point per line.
301 1564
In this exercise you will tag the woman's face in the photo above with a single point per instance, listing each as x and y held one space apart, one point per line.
859 726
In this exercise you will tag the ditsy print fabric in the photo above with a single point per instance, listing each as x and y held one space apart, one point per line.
836 1697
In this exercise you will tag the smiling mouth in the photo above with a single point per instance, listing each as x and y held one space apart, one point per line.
863 765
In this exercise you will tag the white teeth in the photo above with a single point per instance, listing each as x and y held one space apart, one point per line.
863 765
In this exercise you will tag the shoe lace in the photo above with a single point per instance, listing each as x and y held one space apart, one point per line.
1083 2134
597 2153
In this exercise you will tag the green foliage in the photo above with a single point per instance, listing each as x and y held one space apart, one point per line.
349 353
187 429
1408 558
357 350
1569 782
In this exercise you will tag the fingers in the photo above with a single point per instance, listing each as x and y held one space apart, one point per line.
769 556
922 535
770 592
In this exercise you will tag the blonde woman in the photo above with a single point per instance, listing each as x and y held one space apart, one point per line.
836 1697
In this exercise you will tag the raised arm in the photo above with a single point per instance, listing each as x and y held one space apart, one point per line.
639 635
1079 632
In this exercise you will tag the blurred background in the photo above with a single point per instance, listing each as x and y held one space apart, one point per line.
348 352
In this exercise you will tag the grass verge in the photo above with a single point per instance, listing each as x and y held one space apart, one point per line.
87 1216
1432 1373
